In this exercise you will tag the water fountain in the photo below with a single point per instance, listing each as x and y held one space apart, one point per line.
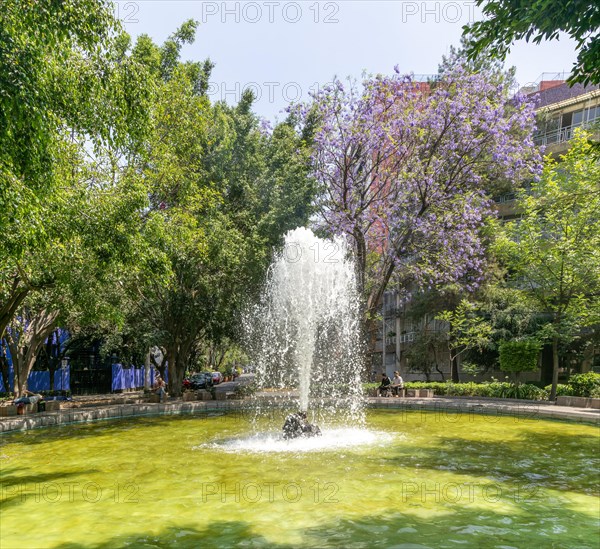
409 478
304 334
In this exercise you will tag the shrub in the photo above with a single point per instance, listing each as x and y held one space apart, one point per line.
561 389
6 396
529 392
585 384
493 389
519 356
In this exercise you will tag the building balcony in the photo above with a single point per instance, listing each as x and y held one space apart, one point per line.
556 141
559 135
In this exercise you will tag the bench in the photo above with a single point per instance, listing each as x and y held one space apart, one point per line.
9 410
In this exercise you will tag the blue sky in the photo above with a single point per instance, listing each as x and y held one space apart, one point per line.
283 50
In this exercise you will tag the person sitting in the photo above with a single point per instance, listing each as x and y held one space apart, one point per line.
28 398
397 384
384 387
296 426
160 388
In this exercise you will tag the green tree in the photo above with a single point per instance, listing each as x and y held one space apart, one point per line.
64 78
91 236
506 21
466 330
519 356
423 355
222 193
553 250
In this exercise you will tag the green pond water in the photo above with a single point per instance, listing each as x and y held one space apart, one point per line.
413 479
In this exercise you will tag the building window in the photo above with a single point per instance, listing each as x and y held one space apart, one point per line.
585 116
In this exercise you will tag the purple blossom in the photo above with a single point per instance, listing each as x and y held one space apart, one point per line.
404 168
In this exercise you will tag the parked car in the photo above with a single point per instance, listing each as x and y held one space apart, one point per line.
217 377
203 380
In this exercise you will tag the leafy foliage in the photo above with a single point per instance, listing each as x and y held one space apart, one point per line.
488 389
506 21
67 91
585 385
553 249
403 171
519 356
422 354
222 193
491 389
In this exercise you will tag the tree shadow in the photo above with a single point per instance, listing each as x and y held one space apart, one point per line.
15 488
394 528
225 534
550 461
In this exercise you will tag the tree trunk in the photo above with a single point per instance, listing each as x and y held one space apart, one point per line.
360 248
440 372
147 366
25 344
52 361
24 366
370 335
177 357
454 370
4 370
435 358
8 309
554 367
176 374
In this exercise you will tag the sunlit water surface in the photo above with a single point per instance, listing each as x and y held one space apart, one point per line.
412 479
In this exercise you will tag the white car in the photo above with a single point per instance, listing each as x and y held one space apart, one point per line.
217 378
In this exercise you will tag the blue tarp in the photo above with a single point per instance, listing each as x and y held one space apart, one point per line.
40 380
128 378
122 378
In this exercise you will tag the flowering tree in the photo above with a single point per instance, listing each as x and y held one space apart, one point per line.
405 171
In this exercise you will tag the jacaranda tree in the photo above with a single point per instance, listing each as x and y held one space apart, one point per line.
405 169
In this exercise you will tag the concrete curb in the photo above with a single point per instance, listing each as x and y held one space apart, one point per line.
117 411
528 410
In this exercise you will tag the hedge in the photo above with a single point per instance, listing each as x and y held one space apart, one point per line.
519 356
491 389
582 385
